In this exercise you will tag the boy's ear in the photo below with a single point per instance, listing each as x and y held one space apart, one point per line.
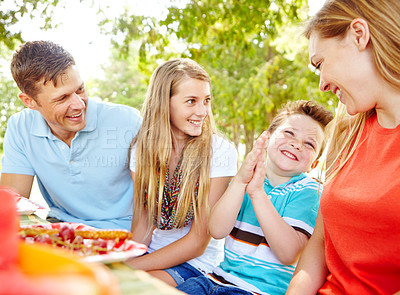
314 164
28 101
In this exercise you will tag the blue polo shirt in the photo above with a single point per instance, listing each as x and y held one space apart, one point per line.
88 182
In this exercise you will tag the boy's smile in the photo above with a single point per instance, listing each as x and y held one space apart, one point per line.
294 147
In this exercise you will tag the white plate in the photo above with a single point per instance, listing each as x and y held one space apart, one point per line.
26 206
128 249
132 249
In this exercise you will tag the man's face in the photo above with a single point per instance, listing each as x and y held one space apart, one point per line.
63 107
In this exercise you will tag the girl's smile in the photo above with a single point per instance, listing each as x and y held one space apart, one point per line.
189 107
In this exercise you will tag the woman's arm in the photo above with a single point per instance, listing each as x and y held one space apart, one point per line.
192 245
224 214
311 271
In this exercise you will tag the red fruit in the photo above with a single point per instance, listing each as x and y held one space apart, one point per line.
119 244
14 282
99 246
77 244
78 240
67 233
8 229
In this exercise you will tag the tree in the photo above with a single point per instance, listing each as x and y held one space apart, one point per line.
9 100
12 11
123 82
9 104
235 40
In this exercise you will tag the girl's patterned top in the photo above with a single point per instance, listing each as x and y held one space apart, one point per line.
170 201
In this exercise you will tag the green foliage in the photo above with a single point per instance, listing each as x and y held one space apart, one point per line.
123 82
11 13
248 47
16 10
9 100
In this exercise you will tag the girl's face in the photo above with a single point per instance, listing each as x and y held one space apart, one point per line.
293 148
346 70
189 106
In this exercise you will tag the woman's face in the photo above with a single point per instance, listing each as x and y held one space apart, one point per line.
189 107
346 70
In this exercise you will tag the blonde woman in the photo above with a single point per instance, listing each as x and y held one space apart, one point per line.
180 168
355 246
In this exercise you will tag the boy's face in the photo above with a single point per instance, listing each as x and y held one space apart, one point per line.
294 146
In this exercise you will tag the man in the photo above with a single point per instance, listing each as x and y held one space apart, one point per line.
75 146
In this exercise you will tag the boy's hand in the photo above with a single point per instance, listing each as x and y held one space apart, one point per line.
256 185
246 171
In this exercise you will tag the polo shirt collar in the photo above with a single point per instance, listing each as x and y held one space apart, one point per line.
91 116
40 128
291 180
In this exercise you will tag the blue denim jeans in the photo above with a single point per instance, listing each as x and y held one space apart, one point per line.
203 285
180 273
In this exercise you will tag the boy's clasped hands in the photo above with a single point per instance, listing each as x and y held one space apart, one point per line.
252 172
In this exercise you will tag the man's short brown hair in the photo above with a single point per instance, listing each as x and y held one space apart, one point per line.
39 61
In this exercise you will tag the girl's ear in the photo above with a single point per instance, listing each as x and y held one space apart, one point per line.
360 34
28 101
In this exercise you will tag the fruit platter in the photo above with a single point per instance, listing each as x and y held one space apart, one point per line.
93 245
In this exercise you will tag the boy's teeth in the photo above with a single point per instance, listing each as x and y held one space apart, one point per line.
288 154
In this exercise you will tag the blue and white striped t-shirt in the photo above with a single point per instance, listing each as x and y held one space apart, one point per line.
249 263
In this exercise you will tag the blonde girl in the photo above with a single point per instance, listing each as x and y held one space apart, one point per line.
180 167
355 246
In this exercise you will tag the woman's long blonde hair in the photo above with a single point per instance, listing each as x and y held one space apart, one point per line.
333 20
154 144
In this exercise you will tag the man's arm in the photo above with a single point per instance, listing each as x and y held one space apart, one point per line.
21 183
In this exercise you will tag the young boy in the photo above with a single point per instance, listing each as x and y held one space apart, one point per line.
268 212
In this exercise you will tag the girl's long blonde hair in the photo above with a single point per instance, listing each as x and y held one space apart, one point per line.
333 20
154 144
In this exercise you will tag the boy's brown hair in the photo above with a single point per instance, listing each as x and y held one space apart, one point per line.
303 107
